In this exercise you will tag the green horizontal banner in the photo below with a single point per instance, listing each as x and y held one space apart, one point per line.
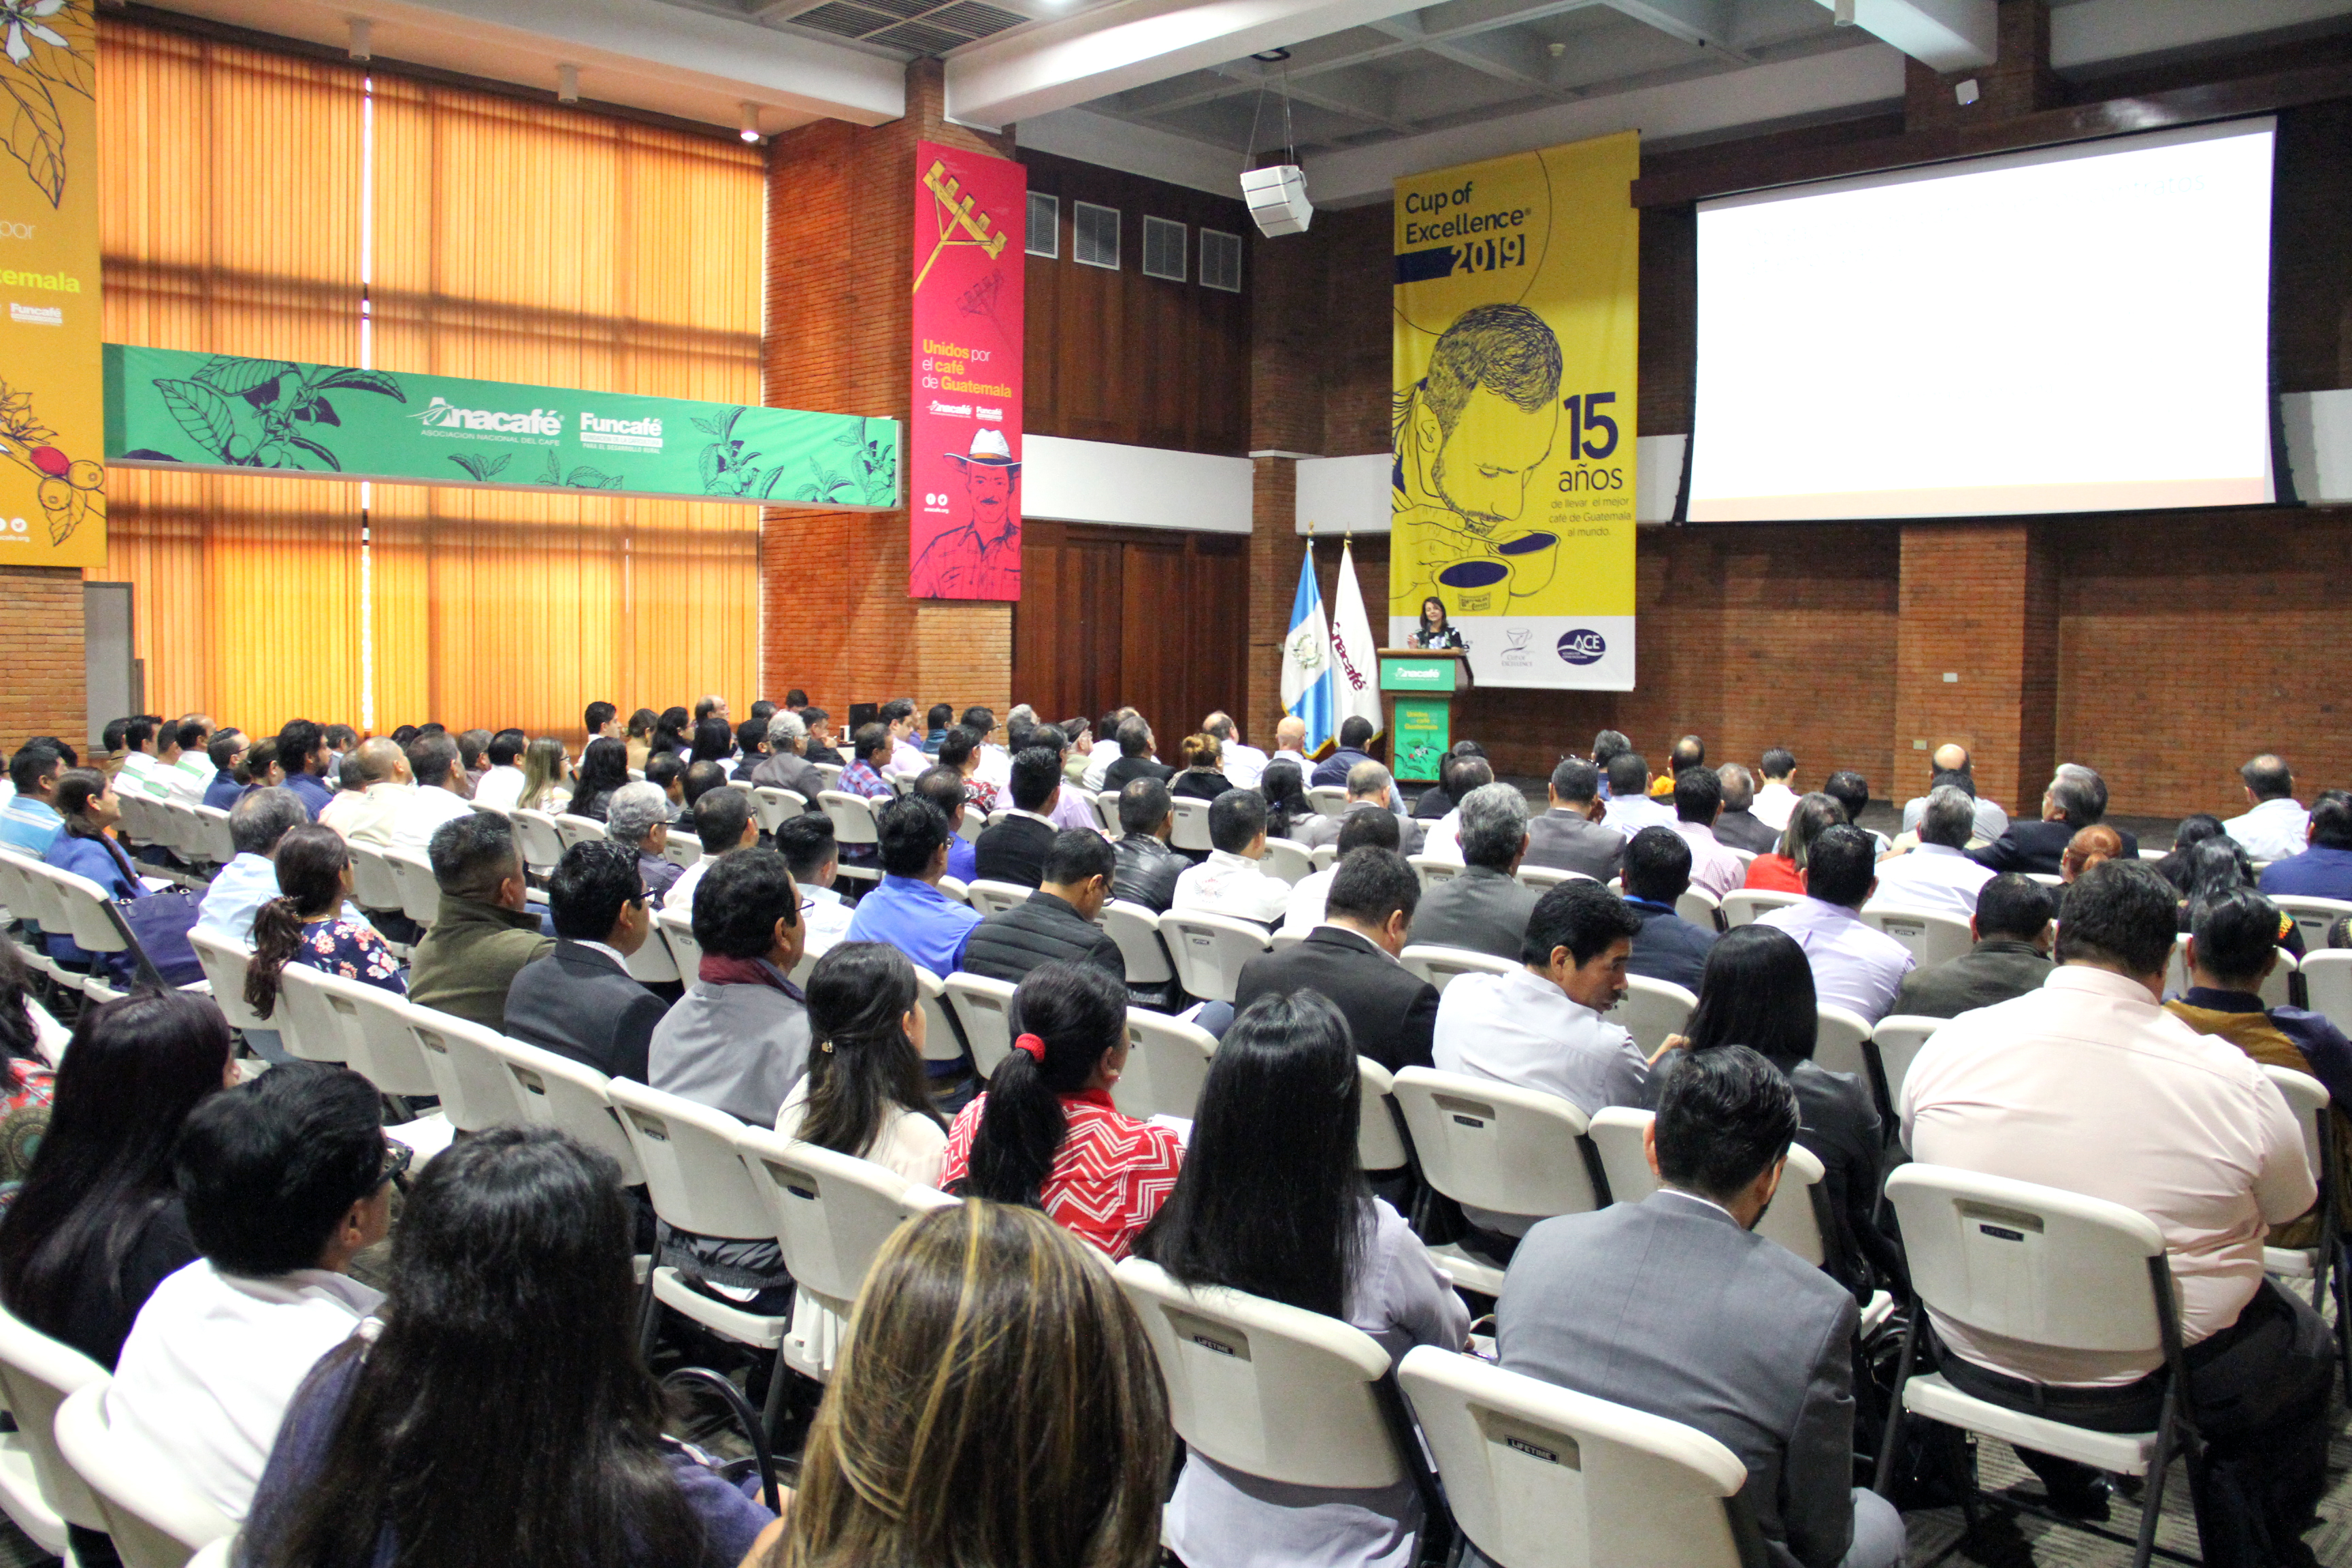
1417 674
220 413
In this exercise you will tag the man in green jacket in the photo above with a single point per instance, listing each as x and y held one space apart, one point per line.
484 934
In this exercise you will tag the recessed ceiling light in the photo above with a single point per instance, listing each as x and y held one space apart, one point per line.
1272 57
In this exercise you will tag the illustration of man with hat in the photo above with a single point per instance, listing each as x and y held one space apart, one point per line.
981 557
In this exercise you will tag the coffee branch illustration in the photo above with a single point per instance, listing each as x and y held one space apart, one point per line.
959 223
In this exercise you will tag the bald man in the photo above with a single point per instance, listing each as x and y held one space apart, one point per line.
2087 849
1953 767
365 816
1289 744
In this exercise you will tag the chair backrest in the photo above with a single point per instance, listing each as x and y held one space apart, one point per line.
2313 917
693 1174
1932 937
1325 856
1105 803
776 805
1544 878
375 884
556 1091
1538 1473
1192 823
2307 1098
88 910
1167 1062
1379 1145
1837 1041
1433 869
681 850
2052 1268
1292 861
1652 1009
223 961
2274 990
218 847
1896 1040
1497 1146
942 1038
2328 983
1330 800
852 814
1137 931
156 1519
984 1009
988 896
1742 905
542 838
32 896
311 1030
652 964
676 927
573 830
831 1212
463 1059
1700 907
1439 964
1269 1390
420 892
1616 1133
36 1374
829 771
1208 950
954 888
375 1026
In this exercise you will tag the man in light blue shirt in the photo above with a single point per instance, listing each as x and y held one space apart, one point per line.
1855 966
31 822
907 911
249 880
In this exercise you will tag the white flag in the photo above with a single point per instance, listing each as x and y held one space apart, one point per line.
1355 657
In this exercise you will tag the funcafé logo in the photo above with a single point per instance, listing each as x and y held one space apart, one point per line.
443 414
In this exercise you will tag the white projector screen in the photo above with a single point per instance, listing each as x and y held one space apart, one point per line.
2076 329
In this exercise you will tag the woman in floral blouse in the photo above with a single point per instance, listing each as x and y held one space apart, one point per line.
309 926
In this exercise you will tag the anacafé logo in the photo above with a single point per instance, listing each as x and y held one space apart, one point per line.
1582 646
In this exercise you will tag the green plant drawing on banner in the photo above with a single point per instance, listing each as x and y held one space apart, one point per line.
868 474
71 490
582 478
36 61
484 469
265 413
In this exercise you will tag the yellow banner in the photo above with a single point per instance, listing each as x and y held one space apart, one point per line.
52 380
1517 329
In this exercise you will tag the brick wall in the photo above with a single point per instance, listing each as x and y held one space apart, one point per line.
40 626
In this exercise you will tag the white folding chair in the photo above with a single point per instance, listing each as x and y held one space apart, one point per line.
541 840
829 771
2327 984
1544 878
2053 1270
89 918
2307 1098
556 1091
1137 931
1538 1473
1742 905
1433 869
2313 917
420 893
1292 861
983 1008
1701 909
224 963
1438 963
958 890
462 1057
776 805
1209 950
1330 800
156 1519
1933 937
1106 809
1325 856
1894 1044
220 1553
1654 1009
1497 1147
212 826
39 1487
853 827
373 1026
1167 1062
988 896
1841 1041
573 830
1192 823
375 884
681 849
2274 990
1379 1140
677 927
311 1030
653 963
831 1213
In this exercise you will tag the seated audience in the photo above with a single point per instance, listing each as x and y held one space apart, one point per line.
865 1092
1631 806
960 755
1699 801
1676 1306
1783 870
750 749
1289 736
510 1329
579 1000
699 780
639 738
2220 866
441 794
637 818
806 842
1657 873
1368 789
739 1040
89 809
907 911
2324 870
2012 955
1057 923
227 751
1357 830
2194 829
935 725
1758 992
306 925
473 747
302 754
1045 1133
285 1180
1855 966
992 763
468 959
1350 958
1148 867
1271 1202
258 768
256 824
670 735
1355 736
1953 767
1234 881
1287 809
602 719
993 1349
1775 797
1245 765
1014 850
1439 799
1067 808
1852 792
1200 768
2088 1084
1575 834
1738 826
30 823
2276 827
603 768
2076 798
1937 877
906 756
950 792
820 750
784 767
502 781
1484 907
2088 847
723 820
377 785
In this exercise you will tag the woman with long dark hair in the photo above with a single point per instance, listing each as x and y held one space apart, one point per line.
86 848
1286 805
714 741
1436 628
670 733
1272 1201
1757 991
1045 1134
306 923
603 768
503 1415
26 1087
2194 829
864 1093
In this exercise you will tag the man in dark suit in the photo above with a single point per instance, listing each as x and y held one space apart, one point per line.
1057 924
1148 867
1351 959
1483 907
1673 1305
1738 826
1135 758
1015 849
2076 799
579 1000
1574 834
1657 872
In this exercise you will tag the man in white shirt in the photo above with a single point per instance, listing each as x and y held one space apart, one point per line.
1376 829
807 846
440 795
366 815
993 763
1234 879
1544 1027
1776 799
286 1178
1699 801
2278 825
2088 1084
1632 807
1937 876
1244 765
191 770
1855 966
501 784
724 820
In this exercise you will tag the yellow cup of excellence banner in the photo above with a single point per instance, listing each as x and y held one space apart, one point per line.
52 375
1517 326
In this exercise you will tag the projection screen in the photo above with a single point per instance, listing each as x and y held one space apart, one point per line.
2074 329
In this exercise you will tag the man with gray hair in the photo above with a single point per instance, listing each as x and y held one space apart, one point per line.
486 931
637 819
2076 798
1937 876
1484 907
786 767
1575 835
1369 786
249 880
1739 827
1244 765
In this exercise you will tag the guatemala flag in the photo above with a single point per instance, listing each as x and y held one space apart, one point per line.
1306 661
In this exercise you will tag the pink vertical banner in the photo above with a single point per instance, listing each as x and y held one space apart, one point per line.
963 442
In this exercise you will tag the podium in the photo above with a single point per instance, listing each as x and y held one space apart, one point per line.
1418 686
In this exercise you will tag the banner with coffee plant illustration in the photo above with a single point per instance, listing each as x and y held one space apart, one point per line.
167 408
52 413
1517 320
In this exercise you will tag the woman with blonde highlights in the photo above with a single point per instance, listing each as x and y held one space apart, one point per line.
997 1404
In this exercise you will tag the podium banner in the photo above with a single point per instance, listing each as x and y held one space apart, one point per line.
1517 328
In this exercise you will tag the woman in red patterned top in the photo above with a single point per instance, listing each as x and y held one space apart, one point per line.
1045 1135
